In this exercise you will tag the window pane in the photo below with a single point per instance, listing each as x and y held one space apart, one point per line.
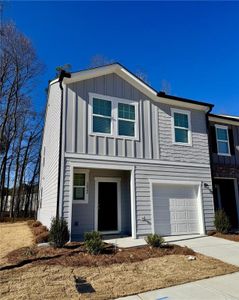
126 128
79 193
79 179
102 125
181 135
223 147
102 107
222 134
126 111
181 120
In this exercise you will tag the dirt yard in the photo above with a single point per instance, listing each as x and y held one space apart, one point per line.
14 236
106 282
229 236
71 273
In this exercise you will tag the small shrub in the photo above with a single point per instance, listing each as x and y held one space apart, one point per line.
42 238
59 233
39 230
221 221
36 224
154 240
93 242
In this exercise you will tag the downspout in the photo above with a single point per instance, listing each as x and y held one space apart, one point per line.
210 152
63 74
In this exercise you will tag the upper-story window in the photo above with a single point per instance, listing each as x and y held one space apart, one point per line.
110 116
181 127
223 146
126 119
102 116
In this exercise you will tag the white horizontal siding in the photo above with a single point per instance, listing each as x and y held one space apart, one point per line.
49 172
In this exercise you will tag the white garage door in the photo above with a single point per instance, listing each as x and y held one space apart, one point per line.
176 209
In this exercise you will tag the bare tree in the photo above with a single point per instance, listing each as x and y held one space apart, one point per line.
99 60
19 69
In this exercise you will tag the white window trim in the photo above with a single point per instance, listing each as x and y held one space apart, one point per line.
114 116
86 172
224 141
185 112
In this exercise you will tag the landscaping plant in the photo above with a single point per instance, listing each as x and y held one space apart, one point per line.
154 240
93 242
59 233
221 221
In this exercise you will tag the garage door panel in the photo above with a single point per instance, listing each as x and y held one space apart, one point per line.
176 209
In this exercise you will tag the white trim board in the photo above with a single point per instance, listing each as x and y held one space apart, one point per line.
117 159
108 179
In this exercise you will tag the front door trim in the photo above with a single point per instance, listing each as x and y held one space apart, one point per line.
108 179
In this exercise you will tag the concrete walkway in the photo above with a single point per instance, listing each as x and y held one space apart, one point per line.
217 288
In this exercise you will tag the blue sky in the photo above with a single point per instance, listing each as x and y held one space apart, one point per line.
193 46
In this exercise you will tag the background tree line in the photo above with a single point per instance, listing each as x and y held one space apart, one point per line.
20 125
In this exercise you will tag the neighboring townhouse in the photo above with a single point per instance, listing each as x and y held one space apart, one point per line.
224 145
130 161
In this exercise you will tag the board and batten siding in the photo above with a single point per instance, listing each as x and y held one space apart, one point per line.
232 160
143 174
49 171
155 125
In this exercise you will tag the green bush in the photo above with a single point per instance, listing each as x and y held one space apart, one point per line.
154 240
221 221
59 233
93 242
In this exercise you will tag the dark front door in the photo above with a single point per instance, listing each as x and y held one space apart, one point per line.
226 199
107 206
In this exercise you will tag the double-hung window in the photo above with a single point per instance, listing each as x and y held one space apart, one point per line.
222 140
111 116
80 187
102 116
181 127
126 120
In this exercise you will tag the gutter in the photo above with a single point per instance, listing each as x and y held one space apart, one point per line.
63 75
210 152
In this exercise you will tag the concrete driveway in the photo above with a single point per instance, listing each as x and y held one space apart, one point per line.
217 288
227 251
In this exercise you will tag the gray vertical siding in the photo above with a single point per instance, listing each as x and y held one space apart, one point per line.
155 143
155 134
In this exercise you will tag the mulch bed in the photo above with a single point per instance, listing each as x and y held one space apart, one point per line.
75 255
229 236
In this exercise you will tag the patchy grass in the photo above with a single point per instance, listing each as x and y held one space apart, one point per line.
227 236
106 282
14 236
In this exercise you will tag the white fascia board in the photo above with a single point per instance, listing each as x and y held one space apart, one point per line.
183 104
133 80
223 121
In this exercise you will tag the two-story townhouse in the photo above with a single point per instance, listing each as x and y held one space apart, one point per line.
224 145
129 161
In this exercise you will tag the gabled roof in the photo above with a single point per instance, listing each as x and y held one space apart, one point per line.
138 83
